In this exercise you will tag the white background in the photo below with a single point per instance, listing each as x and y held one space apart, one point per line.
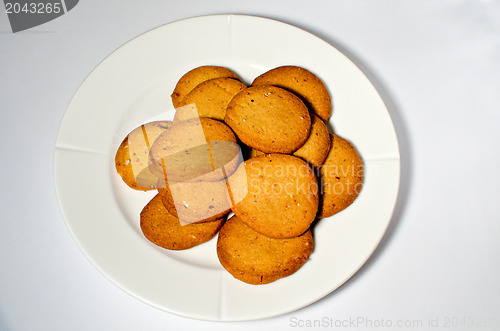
436 65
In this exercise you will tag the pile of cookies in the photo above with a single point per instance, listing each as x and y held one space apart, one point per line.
262 152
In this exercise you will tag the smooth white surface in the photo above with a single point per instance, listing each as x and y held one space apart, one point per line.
435 65
192 283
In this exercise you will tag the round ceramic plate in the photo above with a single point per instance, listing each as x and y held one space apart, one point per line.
132 86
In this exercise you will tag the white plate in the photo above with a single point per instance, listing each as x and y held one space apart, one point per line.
132 86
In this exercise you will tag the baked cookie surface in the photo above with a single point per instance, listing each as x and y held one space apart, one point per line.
275 194
132 157
196 202
256 259
196 76
269 119
165 230
303 83
317 146
341 177
195 150
211 97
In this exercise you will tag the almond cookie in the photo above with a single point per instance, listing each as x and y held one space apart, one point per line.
303 83
275 194
341 177
269 119
256 259
196 76
196 202
212 97
132 157
165 230
195 150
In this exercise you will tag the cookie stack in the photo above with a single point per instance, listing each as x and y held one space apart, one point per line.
262 152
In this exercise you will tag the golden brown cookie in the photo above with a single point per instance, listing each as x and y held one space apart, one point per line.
317 146
195 150
196 202
212 97
341 177
269 119
256 259
165 230
303 83
196 76
275 194
132 157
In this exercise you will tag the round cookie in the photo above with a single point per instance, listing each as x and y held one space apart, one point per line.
269 119
303 83
196 202
317 146
134 170
195 150
167 231
256 259
275 194
196 76
212 97
341 177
